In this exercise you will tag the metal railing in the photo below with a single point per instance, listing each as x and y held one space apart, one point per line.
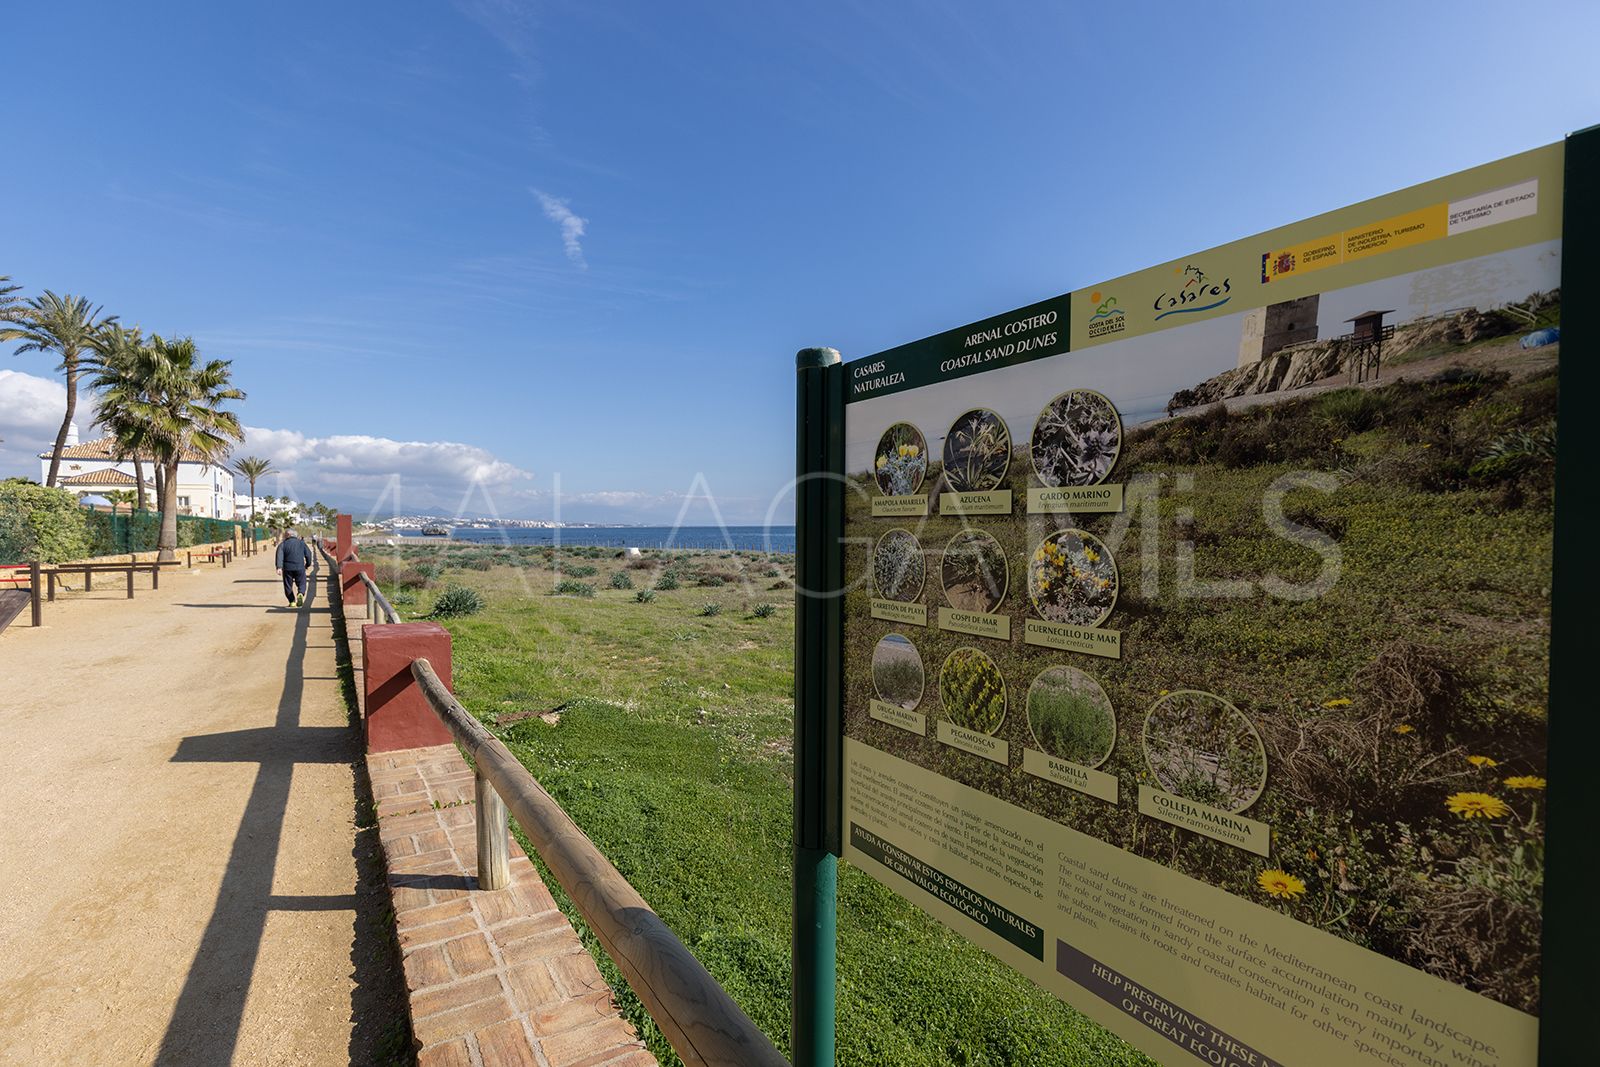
698 1018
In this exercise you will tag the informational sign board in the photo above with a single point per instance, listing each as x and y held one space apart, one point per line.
1196 651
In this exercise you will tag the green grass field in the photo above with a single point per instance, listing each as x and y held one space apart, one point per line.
672 751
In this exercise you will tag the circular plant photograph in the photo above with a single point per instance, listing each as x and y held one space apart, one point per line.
1202 748
898 566
897 672
1072 578
1070 716
901 460
974 571
972 692
977 452
1076 439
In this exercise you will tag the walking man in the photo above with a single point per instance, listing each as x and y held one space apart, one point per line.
292 561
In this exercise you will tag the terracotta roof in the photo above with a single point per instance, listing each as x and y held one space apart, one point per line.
107 448
103 476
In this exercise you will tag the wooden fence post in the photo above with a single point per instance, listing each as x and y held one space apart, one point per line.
33 587
494 836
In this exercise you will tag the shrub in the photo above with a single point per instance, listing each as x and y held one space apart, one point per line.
401 600
412 578
1353 410
712 580
1070 716
972 691
667 582
583 570
772 572
457 600
40 523
898 566
620 580
763 611
568 587
430 570
644 596
897 671
711 608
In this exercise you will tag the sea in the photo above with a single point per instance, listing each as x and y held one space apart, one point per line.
778 539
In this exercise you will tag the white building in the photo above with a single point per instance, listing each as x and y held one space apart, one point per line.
241 505
204 488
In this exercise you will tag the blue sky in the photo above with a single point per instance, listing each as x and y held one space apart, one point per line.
519 240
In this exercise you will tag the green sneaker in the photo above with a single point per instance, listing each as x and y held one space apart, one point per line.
300 601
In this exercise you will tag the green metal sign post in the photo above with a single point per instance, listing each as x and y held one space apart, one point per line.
819 569
1571 935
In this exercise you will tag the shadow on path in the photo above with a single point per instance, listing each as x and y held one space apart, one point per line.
206 1022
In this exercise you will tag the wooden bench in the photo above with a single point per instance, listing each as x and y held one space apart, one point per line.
224 554
89 570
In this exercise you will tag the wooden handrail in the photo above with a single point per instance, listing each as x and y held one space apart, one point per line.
701 1022
383 610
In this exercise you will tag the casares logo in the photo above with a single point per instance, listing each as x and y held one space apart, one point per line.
1198 293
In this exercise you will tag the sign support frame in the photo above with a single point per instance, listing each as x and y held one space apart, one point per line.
818 701
1571 938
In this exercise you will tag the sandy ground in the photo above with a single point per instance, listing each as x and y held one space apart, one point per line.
184 878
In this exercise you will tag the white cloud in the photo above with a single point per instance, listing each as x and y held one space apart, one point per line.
30 416
355 470
572 226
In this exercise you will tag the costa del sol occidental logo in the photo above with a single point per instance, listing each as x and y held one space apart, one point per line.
1198 293
1107 317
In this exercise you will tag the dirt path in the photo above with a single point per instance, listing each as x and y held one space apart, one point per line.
185 881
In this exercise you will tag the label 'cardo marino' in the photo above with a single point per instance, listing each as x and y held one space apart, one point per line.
1074 499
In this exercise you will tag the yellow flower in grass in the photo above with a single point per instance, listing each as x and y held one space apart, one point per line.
1476 805
1483 761
1337 702
1404 728
1525 781
1280 884
1090 554
883 461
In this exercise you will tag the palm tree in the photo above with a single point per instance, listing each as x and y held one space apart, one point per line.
116 498
253 467
178 399
66 325
11 307
116 345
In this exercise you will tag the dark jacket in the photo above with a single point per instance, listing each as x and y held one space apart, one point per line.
293 555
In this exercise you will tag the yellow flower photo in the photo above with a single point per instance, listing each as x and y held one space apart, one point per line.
1483 761
1525 781
1280 884
1476 805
